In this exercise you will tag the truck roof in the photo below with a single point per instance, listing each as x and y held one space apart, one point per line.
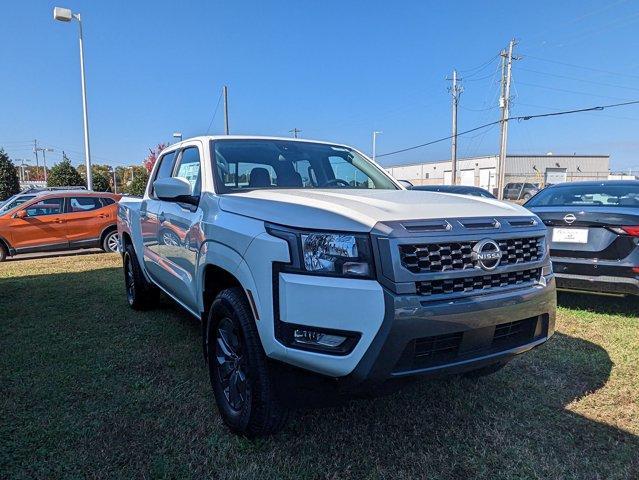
252 137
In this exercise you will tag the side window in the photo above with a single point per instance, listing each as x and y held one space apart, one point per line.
165 169
107 201
189 169
48 206
84 204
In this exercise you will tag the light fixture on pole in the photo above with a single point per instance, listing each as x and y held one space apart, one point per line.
178 135
66 15
375 133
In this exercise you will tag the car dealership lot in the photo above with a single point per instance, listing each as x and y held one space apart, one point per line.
93 389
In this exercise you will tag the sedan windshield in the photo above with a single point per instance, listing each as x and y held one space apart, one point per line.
253 164
576 195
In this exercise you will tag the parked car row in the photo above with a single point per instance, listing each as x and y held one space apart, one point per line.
53 220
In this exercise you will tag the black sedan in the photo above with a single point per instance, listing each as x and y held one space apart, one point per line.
594 233
458 189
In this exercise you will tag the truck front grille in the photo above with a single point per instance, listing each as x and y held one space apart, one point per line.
477 283
441 257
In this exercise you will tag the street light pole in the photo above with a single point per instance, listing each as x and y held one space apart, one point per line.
65 15
375 133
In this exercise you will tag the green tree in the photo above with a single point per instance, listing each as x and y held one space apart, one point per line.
9 182
64 174
100 181
138 185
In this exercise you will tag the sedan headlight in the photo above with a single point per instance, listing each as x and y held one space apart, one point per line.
324 253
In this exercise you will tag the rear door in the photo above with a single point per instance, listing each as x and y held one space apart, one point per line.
85 218
42 229
179 231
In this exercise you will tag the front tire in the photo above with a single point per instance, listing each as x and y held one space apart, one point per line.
242 385
140 294
3 253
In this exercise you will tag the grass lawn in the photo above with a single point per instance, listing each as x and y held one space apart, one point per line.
91 389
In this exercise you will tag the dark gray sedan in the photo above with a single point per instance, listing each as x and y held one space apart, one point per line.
594 232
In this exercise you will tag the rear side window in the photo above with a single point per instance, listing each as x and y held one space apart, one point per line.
165 168
48 206
107 201
84 204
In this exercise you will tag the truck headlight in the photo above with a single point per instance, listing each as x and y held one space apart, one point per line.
327 253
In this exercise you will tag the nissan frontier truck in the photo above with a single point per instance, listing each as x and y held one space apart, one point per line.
305 260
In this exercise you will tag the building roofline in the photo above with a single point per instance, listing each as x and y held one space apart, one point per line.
513 155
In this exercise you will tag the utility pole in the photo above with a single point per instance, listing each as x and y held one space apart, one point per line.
35 151
225 89
504 104
115 182
375 143
455 91
44 151
295 131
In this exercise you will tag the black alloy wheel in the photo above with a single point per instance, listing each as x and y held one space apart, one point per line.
231 364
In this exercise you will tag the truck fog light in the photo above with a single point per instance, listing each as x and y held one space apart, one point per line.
358 269
310 337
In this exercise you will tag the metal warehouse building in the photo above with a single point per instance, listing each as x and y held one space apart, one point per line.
481 171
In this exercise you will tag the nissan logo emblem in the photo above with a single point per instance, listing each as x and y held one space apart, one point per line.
569 218
487 254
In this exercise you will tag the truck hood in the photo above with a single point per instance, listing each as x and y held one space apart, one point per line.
359 210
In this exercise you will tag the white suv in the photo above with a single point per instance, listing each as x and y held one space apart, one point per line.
313 270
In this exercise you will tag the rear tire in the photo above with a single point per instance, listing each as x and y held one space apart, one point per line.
241 381
485 371
140 294
110 242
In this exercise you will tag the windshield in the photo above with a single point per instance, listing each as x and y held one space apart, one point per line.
252 164
15 201
587 196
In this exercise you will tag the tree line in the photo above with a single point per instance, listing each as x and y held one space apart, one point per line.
128 180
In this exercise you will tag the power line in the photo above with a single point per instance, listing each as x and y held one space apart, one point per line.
479 68
567 77
518 118
215 111
570 91
592 69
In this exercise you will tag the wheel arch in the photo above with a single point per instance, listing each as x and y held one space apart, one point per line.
106 230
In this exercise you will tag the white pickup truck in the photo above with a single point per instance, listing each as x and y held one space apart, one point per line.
310 268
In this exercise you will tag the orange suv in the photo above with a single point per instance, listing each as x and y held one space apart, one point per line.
60 220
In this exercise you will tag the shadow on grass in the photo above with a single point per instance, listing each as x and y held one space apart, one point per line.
627 306
92 389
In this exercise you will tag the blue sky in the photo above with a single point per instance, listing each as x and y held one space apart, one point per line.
335 69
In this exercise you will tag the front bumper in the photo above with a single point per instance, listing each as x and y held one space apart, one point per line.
425 338
612 277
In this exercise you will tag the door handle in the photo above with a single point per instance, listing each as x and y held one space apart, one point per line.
58 220
161 217
103 215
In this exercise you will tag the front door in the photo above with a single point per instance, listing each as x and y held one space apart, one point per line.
42 229
179 233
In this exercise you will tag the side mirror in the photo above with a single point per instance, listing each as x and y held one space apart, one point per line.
21 214
174 190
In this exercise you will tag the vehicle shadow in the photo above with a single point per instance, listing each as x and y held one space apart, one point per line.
627 306
521 417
